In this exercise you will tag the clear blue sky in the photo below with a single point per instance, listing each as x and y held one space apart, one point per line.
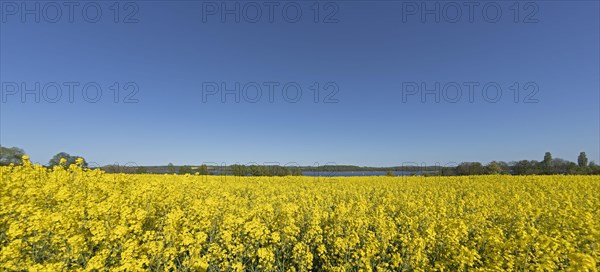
371 53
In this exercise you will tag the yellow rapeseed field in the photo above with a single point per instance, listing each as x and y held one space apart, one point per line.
80 219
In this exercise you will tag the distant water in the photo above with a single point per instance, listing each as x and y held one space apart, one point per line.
359 173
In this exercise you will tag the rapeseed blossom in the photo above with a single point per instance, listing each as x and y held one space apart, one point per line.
73 218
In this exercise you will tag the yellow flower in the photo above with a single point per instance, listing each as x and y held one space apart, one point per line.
69 219
79 161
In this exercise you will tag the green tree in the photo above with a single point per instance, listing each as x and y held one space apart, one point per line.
582 160
10 155
238 170
525 167
470 168
186 169
390 174
171 168
546 165
493 168
141 170
547 159
562 166
594 168
203 170
63 155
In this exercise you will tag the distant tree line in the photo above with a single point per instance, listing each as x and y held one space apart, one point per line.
547 166
264 170
169 169
234 169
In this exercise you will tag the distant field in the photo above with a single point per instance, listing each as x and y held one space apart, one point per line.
79 219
